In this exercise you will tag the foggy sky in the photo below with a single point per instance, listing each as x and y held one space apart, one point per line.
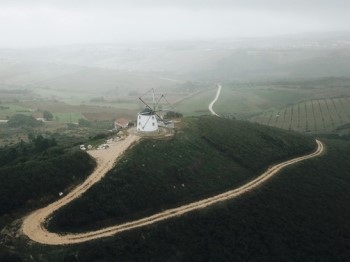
44 22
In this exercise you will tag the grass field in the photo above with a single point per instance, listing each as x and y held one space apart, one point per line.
9 109
67 113
243 100
316 116
196 104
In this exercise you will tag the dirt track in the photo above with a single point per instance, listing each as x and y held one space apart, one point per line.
214 101
33 225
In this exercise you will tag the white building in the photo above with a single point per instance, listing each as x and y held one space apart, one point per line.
147 121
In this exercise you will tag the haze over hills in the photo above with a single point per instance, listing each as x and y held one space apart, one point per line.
157 64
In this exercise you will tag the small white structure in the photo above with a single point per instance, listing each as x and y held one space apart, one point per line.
147 121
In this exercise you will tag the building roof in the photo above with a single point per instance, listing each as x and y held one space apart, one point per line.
147 111
122 121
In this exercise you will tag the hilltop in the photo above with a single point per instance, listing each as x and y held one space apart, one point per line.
207 156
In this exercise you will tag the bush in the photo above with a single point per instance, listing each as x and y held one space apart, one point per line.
172 114
47 115
19 120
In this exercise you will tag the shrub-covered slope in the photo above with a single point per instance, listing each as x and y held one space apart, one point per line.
32 175
302 214
207 156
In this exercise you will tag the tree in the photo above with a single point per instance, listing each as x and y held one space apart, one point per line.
47 115
84 122
172 114
23 120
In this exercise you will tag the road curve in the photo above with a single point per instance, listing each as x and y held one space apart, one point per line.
214 101
33 225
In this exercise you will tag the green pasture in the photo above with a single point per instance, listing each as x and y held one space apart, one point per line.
132 105
197 104
68 96
244 100
238 101
13 108
71 117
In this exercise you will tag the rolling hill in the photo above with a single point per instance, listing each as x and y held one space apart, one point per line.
301 214
207 156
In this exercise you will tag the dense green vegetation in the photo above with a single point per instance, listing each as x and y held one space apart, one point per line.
47 115
33 173
207 156
172 114
301 214
19 120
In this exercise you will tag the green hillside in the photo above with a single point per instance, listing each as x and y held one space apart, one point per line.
208 155
302 214
32 174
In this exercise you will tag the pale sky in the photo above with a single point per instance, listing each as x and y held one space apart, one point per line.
44 22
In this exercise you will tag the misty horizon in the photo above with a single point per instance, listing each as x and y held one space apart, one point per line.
50 23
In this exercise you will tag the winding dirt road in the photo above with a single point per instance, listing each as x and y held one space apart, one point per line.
214 101
33 225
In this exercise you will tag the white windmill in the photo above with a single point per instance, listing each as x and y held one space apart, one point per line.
147 119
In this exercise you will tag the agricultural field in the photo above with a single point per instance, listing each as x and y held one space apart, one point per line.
63 112
316 115
196 104
247 100
9 109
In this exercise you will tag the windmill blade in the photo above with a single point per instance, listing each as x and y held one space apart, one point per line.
146 104
157 114
168 102
163 97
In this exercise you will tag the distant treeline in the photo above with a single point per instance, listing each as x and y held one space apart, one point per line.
19 120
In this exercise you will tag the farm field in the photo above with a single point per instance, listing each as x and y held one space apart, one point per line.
63 112
9 109
247 100
316 115
197 104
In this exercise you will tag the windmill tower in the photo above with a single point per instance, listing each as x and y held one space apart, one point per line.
147 119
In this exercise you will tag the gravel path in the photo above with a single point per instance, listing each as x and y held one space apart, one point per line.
214 101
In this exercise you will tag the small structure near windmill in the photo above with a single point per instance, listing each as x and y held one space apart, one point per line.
148 119
121 123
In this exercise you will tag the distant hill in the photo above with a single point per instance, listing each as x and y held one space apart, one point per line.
208 155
